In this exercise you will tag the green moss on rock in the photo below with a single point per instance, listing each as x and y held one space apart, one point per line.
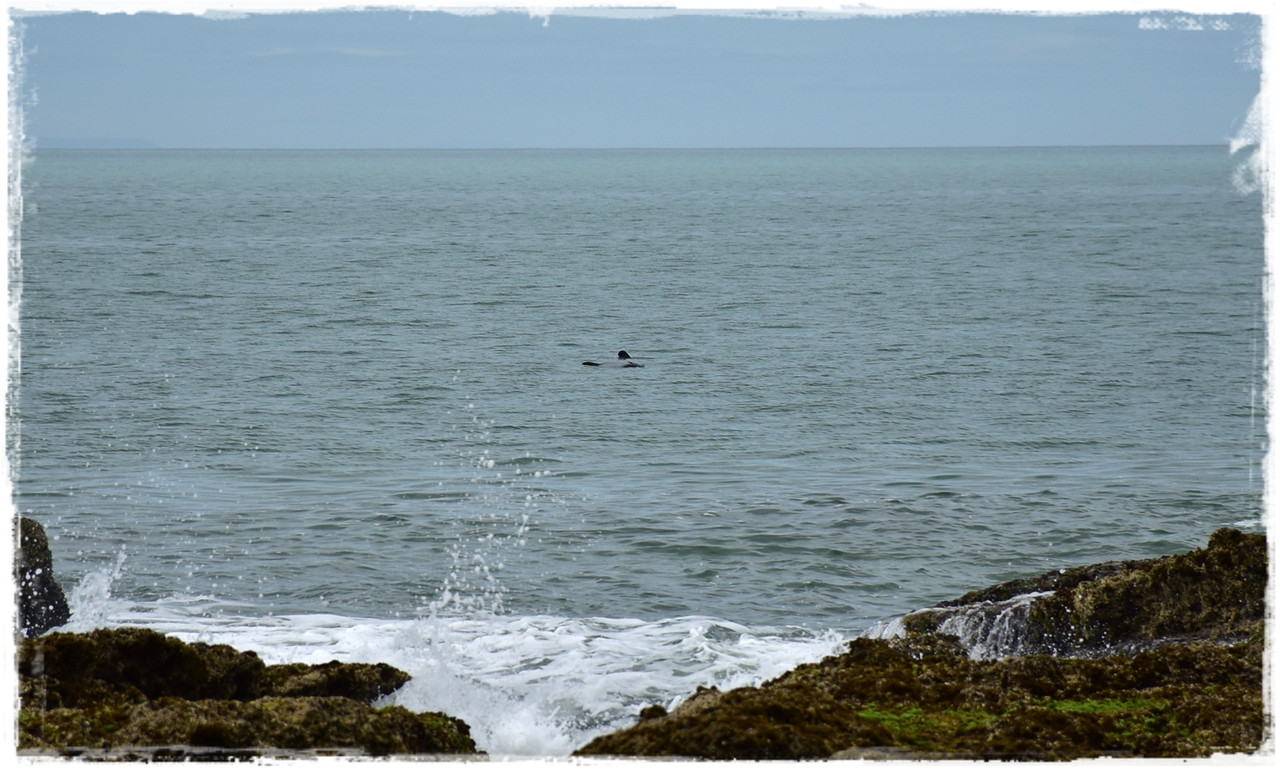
747 723
1183 700
1183 679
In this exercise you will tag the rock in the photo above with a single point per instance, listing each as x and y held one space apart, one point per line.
76 670
359 681
289 723
1173 669
135 687
41 603
1214 593
925 699
746 723
655 711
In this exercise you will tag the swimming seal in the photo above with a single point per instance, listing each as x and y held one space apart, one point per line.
624 362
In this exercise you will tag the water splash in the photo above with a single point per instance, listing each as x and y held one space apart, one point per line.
1249 176
988 630
529 686
90 601
545 685
499 524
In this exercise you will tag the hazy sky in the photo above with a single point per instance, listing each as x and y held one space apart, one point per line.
425 79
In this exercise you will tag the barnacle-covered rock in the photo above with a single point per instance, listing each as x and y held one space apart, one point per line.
42 605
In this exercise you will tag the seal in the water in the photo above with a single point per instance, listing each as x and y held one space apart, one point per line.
624 362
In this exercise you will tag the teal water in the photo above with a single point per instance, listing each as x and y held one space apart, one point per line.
265 396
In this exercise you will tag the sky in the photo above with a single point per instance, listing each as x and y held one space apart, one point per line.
410 79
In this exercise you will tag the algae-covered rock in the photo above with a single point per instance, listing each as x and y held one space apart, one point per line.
135 687
365 682
747 723
42 605
922 698
290 723
138 663
73 670
1217 592
1172 668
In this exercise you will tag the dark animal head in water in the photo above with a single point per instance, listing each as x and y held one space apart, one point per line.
624 361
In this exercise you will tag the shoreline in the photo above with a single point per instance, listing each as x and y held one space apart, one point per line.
1069 661
1151 658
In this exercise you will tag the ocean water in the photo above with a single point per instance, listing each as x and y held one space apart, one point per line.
332 404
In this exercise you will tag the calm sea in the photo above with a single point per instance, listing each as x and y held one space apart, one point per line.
332 404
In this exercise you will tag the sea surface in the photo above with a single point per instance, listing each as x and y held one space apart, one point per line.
331 405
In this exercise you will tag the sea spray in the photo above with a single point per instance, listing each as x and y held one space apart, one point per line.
544 685
528 685
90 600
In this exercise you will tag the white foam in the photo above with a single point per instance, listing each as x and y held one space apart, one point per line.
529 686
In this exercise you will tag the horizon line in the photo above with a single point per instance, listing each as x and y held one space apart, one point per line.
612 148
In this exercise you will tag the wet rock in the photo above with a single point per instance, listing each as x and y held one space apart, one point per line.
1216 592
42 605
1173 669
653 712
135 687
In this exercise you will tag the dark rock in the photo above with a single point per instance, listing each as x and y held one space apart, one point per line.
1188 684
134 687
289 723
41 603
1214 593
75 670
359 681
746 723
652 712
897 698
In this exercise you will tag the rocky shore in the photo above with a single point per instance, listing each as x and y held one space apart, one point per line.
135 694
1153 658
150 696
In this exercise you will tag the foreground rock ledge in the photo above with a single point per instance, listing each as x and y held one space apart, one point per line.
1166 662
115 691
